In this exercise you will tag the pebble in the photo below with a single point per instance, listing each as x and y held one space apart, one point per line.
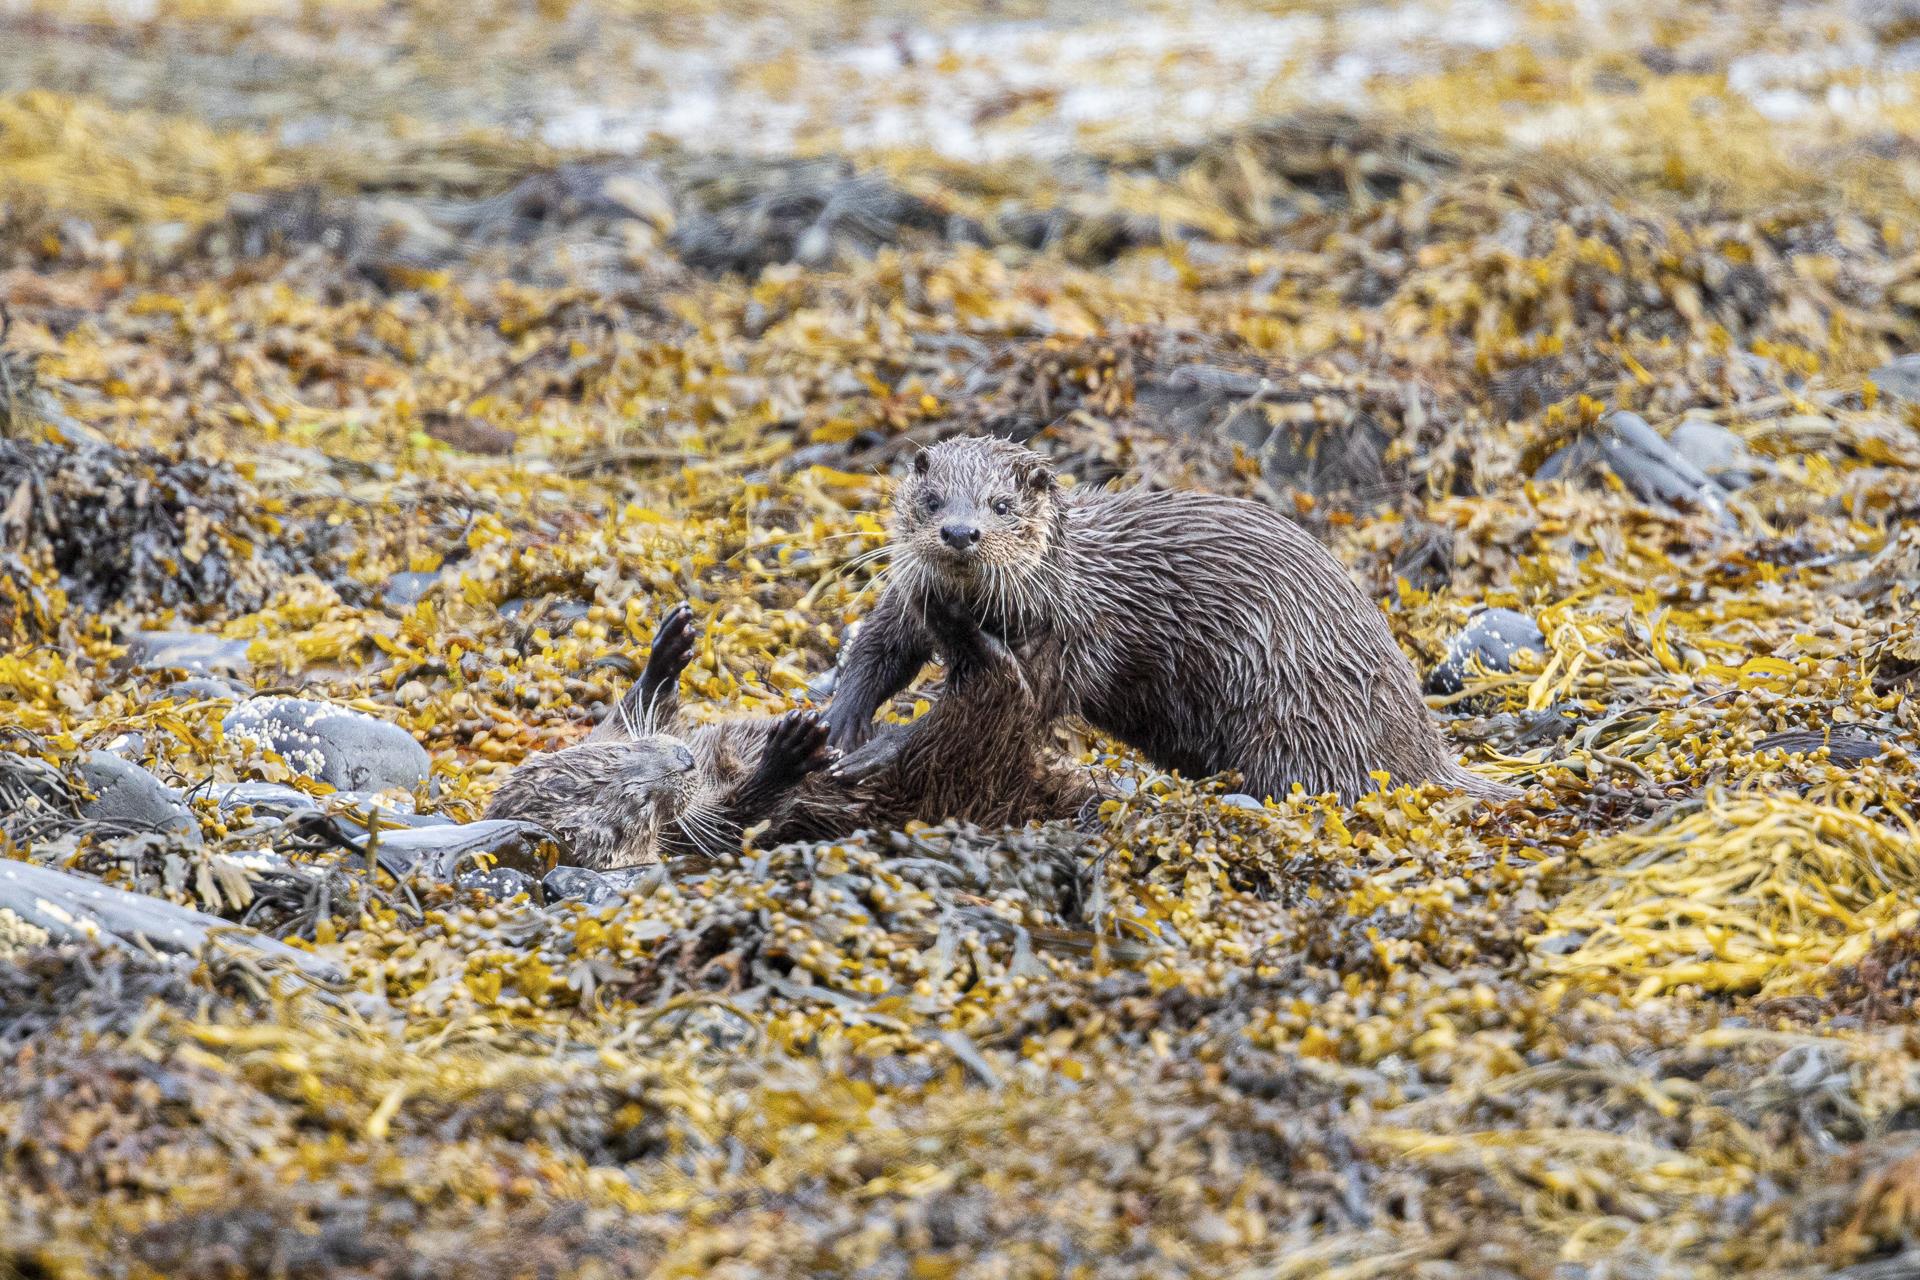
125 793
346 749
1491 635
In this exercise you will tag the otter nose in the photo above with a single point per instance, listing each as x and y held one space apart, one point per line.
960 537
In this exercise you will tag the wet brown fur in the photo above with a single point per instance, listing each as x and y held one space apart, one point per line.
981 755
1210 633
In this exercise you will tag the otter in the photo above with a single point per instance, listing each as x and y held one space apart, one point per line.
1209 633
648 783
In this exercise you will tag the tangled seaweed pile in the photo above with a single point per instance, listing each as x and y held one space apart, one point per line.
434 421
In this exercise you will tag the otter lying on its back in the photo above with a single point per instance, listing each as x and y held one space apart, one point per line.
631 792
1209 633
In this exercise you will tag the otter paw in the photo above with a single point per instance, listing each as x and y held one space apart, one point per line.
673 642
871 759
796 745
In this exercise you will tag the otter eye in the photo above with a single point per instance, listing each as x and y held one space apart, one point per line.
932 501
1003 507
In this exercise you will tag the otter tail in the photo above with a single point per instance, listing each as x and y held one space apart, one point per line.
1480 788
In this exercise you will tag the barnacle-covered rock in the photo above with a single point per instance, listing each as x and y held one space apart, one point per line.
337 745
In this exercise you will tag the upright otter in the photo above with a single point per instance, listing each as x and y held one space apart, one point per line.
1209 633
648 781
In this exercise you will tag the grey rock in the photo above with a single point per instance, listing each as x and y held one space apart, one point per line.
73 907
442 853
1899 378
347 749
580 884
1241 800
821 687
125 793
1492 636
194 652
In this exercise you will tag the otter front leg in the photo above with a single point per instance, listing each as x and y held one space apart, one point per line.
654 699
890 647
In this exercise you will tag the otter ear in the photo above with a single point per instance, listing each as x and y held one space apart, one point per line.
1039 479
921 461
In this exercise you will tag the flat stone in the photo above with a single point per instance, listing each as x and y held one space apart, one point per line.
1241 800
443 853
73 907
1493 636
347 749
125 793
194 652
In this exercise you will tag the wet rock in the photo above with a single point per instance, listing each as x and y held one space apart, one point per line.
361 809
69 907
128 795
1492 637
194 652
1899 378
1717 452
821 687
347 749
579 884
501 884
443 853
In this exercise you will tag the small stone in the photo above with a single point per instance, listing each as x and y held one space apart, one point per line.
1493 636
1241 800
125 793
347 749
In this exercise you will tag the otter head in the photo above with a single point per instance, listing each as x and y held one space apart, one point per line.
976 510
606 800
